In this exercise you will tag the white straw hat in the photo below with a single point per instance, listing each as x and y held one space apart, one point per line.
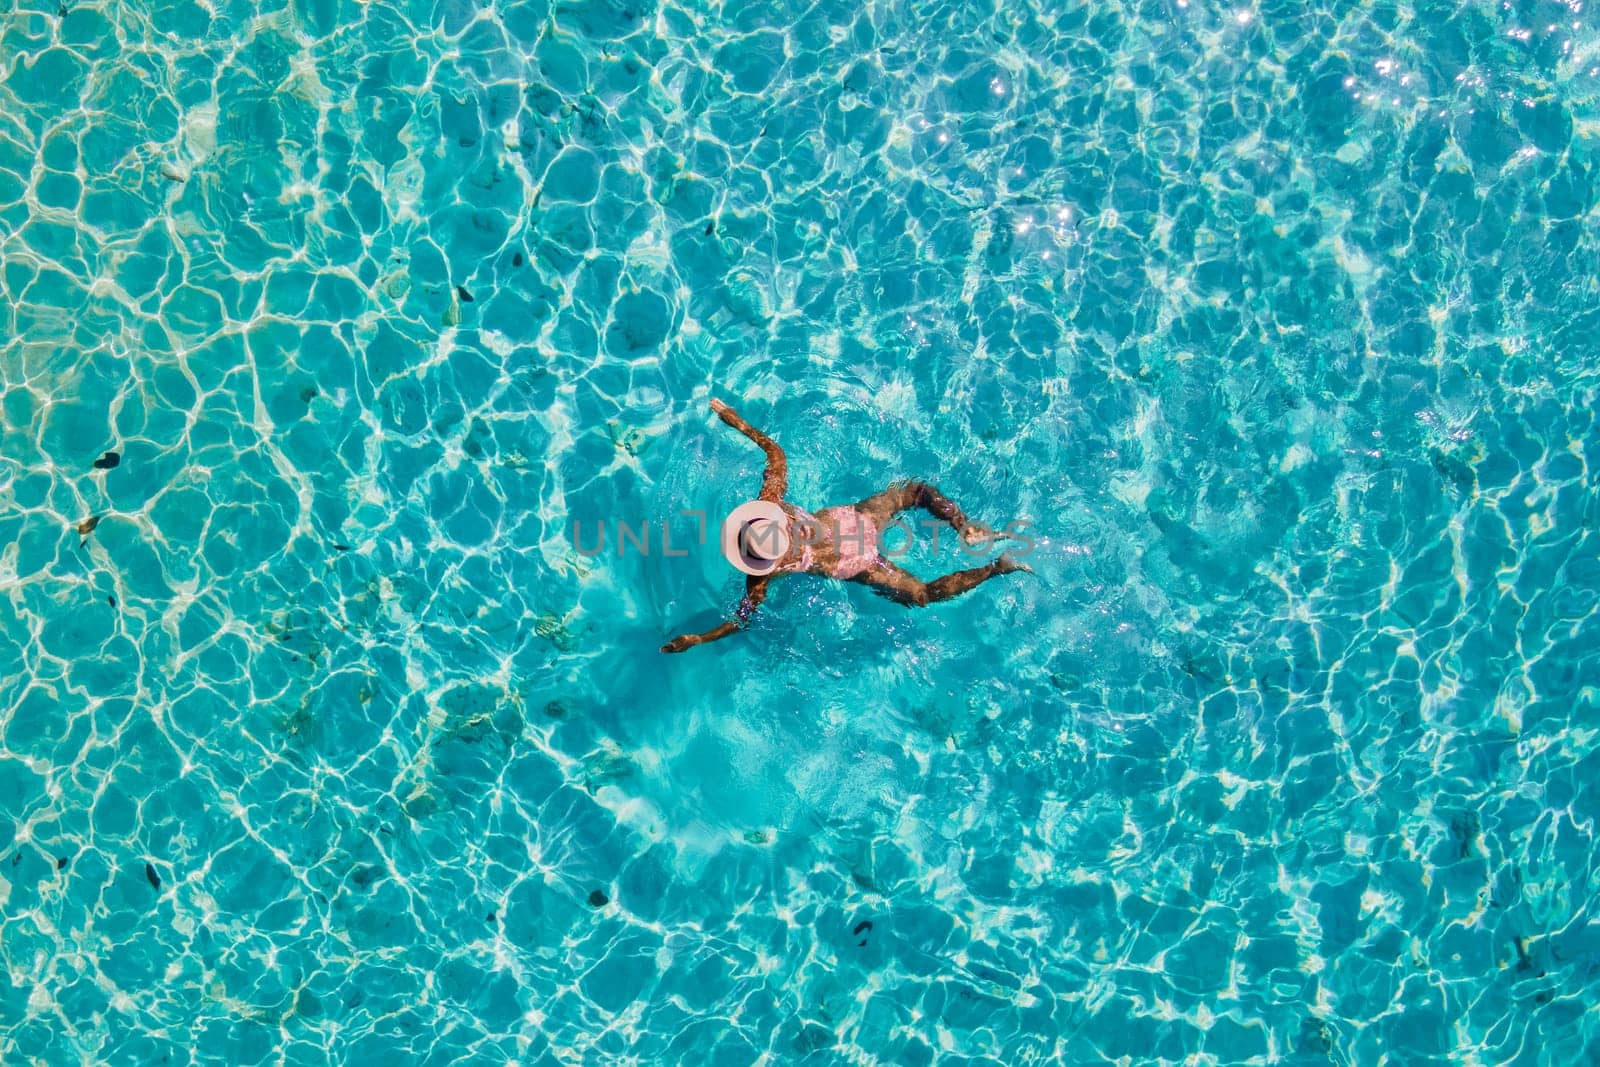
755 537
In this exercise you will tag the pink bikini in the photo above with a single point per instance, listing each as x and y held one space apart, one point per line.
853 534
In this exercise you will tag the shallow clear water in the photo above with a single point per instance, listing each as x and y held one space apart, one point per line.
1276 322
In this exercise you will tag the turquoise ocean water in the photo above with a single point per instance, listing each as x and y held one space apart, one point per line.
1277 322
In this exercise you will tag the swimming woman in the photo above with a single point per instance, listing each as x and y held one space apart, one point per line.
838 542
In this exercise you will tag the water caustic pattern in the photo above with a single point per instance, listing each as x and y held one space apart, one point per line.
321 742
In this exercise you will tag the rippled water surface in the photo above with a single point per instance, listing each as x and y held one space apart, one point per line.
320 741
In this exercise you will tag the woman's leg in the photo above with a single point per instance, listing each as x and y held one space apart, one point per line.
906 588
903 496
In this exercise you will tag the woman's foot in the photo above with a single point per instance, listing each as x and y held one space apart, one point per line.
976 533
1009 564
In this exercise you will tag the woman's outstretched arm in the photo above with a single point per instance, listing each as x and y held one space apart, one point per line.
775 483
755 591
